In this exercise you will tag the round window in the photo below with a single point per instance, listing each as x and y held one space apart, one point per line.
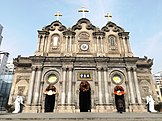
52 78
117 79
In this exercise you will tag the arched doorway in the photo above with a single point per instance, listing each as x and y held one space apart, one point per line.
50 93
85 97
119 99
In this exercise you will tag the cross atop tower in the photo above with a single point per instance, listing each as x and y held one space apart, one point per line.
58 14
108 16
83 10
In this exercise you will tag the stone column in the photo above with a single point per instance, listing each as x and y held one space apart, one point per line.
137 86
130 86
44 43
66 44
69 86
99 86
37 88
106 86
31 86
122 46
125 48
128 44
63 86
70 44
97 44
39 42
109 87
102 45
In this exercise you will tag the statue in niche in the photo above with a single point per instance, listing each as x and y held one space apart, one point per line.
150 104
18 102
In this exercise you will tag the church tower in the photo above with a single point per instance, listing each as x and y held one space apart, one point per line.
88 66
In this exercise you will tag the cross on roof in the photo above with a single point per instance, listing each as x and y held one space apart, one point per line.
58 14
108 16
83 10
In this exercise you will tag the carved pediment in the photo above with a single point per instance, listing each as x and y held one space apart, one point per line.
112 26
79 26
53 26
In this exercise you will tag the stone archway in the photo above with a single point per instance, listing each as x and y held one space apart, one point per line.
119 98
85 97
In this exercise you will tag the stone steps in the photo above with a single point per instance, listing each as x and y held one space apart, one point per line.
82 116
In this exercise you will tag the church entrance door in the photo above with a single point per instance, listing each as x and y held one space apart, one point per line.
85 97
119 99
50 93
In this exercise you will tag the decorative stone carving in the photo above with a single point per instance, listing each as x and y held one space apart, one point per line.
84 36
53 25
144 89
83 20
21 90
26 78
69 32
112 26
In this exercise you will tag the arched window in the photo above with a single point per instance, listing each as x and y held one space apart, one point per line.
112 40
55 41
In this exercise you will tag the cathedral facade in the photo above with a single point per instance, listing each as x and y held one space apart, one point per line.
68 58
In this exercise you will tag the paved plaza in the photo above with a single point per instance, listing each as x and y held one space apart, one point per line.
82 116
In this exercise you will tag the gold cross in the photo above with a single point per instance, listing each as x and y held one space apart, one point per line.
108 16
83 10
58 14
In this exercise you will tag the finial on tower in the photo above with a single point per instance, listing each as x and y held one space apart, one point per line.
108 16
83 10
58 14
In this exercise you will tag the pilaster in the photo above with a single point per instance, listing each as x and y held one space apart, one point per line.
31 86
37 88
130 85
137 86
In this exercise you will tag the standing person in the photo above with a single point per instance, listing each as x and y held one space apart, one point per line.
50 93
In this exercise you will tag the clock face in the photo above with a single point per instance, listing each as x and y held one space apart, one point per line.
84 47
117 79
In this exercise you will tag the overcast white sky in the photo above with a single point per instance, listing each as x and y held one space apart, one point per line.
142 18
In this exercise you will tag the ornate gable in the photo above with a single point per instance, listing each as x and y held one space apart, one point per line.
112 26
54 25
78 25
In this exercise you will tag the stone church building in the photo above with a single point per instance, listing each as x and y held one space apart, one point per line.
67 57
